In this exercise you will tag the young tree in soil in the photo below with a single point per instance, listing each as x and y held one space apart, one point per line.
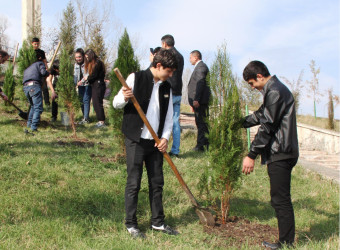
313 85
9 84
223 172
127 63
66 90
333 100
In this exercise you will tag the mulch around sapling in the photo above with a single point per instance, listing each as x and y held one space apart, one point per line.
239 231
120 158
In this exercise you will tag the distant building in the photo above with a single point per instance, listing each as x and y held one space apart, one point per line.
31 14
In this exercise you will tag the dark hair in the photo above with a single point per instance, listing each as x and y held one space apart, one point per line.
169 40
35 40
197 53
155 50
91 61
80 51
166 58
3 53
55 66
253 68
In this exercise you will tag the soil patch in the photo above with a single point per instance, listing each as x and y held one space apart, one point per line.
239 231
117 158
83 143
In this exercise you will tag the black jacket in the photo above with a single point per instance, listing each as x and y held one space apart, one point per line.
276 138
176 79
195 89
98 73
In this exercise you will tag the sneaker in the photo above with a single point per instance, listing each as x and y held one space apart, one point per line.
174 155
271 245
165 229
100 125
83 122
136 233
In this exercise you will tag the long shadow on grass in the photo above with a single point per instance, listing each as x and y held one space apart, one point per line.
323 228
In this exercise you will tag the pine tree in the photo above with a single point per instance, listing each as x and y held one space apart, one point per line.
68 29
126 63
97 43
225 143
27 57
9 83
66 90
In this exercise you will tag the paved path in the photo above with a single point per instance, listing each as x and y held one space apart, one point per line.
327 165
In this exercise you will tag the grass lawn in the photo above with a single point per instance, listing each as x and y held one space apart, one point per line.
56 194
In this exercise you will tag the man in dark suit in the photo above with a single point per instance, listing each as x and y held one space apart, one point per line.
168 42
198 95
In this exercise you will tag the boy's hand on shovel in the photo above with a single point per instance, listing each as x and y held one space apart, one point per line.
127 93
163 145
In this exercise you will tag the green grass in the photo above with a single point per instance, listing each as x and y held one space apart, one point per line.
318 122
62 196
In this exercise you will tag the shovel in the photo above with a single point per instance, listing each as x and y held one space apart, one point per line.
22 114
204 215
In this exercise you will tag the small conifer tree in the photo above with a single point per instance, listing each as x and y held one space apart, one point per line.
26 57
222 174
68 29
97 43
66 91
9 83
126 63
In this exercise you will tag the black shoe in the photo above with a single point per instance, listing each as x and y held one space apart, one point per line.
136 233
165 229
198 149
271 245
172 154
54 119
27 132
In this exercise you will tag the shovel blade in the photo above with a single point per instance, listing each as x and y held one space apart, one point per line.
23 115
206 217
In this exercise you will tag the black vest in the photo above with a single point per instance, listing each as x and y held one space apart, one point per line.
132 124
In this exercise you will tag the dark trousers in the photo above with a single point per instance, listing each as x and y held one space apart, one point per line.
201 114
136 154
45 92
280 175
98 91
54 108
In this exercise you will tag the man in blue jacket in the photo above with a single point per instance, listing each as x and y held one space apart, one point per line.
276 141
32 88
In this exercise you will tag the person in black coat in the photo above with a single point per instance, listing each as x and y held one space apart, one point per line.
96 74
198 96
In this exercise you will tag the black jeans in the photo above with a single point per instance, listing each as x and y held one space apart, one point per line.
201 114
136 154
98 91
280 175
45 92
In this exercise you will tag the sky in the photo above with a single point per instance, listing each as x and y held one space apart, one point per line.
284 34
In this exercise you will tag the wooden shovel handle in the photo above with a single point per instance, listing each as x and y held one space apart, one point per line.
155 137
55 54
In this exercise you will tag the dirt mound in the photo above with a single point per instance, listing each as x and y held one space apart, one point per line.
239 231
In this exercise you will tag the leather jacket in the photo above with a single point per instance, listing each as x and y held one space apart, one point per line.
276 138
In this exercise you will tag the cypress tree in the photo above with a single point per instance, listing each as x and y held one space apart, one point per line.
127 63
9 83
221 176
66 90
330 109
26 57
97 43
68 29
